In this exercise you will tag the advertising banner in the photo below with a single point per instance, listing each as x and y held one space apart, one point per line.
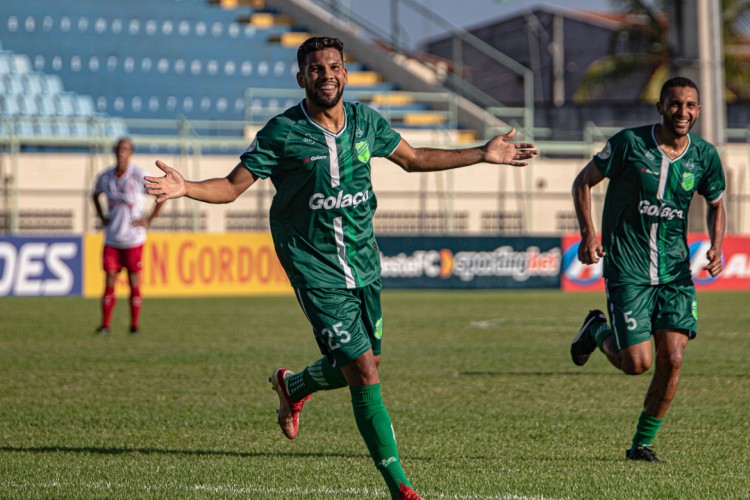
40 266
736 274
470 262
196 264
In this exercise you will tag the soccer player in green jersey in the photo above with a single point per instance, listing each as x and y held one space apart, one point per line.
317 154
653 173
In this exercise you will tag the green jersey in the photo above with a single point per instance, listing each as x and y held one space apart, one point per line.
321 214
644 224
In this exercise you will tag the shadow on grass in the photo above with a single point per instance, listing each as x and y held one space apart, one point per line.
498 373
608 373
156 451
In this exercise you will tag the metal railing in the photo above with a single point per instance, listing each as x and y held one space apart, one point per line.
397 39
191 141
394 106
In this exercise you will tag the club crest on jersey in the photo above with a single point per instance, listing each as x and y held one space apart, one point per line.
363 151
688 181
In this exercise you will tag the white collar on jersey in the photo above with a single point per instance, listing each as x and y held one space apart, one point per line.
656 141
325 131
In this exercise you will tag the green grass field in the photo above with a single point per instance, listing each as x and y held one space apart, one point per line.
484 398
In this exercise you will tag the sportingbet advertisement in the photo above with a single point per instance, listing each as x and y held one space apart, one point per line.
476 262
244 264
577 277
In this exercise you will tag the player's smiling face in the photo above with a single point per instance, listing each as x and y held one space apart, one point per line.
679 110
324 78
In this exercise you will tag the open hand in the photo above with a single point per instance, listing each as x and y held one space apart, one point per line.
172 185
499 150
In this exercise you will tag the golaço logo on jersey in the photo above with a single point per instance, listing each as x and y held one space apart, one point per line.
662 211
319 201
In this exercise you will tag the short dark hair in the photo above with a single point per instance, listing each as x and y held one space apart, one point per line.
121 140
677 81
315 44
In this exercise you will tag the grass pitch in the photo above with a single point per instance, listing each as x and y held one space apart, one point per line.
484 398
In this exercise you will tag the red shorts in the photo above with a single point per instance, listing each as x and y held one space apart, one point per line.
117 258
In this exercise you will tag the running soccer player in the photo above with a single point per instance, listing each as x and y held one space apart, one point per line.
124 230
653 173
317 154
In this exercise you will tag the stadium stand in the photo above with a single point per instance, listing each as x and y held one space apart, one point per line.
36 104
161 59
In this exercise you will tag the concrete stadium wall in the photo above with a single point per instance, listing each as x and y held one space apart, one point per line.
64 181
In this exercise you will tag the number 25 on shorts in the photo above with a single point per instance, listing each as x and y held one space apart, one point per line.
336 337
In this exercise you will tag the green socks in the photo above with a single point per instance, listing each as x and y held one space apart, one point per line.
374 424
372 418
599 332
646 430
319 376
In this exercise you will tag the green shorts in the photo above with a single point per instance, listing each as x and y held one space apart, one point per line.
346 322
635 311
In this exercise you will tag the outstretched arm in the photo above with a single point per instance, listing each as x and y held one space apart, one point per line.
499 151
590 250
219 190
716 219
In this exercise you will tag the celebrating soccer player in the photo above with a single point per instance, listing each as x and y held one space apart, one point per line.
653 173
317 154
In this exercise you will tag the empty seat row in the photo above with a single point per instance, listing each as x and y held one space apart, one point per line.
109 26
30 83
14 63
63 104
62 127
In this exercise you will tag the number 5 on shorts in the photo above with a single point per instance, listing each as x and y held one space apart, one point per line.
631 322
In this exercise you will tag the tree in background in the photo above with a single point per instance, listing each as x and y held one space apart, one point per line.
641 53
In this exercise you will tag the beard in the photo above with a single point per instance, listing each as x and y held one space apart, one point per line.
678 132
325 103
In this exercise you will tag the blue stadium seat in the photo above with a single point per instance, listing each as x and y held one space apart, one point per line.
12 84
52 84
64 104
84 106
5 57
44 127
9 105
32 83
24 125
26 104
45 105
